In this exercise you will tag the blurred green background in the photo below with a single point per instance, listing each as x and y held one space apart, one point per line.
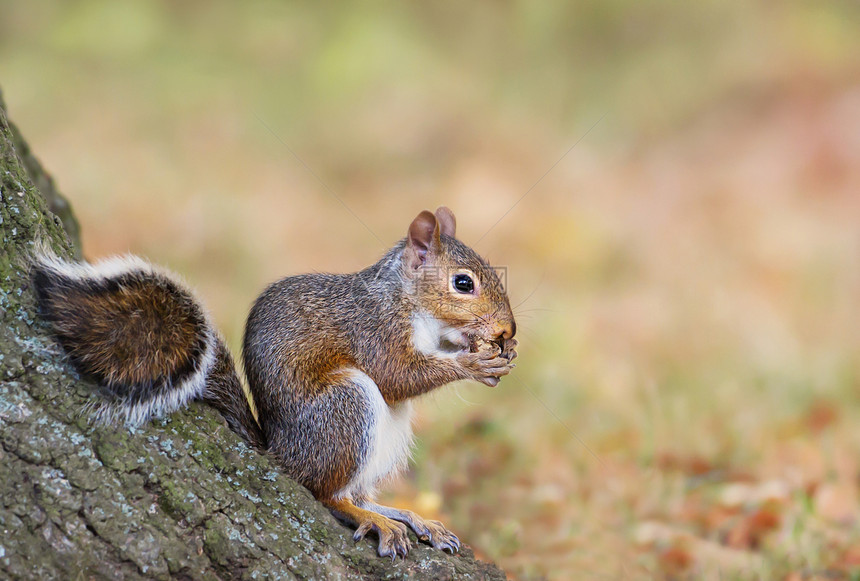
686 278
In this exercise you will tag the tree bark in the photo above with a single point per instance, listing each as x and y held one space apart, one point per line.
182 498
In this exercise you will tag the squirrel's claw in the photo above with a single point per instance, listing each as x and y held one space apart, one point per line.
441 538
393 540
510 349
434 533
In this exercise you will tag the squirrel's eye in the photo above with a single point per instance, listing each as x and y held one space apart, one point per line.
463 283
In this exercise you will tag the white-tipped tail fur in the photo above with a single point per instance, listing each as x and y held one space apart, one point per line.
109 412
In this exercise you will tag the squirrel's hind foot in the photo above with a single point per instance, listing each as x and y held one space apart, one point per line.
393 537
434 533
431 532
440 537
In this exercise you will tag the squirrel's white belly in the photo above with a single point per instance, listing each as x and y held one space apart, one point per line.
390 440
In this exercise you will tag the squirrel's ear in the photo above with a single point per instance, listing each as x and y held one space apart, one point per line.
447 221
422 232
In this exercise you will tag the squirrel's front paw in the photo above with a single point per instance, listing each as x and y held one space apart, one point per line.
486 365
393 540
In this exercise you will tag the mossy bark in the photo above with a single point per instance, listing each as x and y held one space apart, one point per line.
182 498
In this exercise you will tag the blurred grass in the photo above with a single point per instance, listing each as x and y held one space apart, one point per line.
688 274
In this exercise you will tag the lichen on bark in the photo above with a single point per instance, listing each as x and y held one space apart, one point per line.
181 498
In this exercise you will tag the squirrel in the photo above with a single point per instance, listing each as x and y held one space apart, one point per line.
332 361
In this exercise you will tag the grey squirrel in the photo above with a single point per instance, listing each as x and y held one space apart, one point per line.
332 360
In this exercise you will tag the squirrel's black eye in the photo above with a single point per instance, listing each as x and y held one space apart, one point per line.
463 283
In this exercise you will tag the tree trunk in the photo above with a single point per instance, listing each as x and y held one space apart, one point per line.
181 498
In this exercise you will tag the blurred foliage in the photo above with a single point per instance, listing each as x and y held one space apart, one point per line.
686 277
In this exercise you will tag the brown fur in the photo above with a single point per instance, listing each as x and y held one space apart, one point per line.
132 329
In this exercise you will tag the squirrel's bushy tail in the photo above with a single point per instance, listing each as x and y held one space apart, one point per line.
144 336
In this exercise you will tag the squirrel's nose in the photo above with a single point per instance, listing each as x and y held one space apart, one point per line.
509 330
